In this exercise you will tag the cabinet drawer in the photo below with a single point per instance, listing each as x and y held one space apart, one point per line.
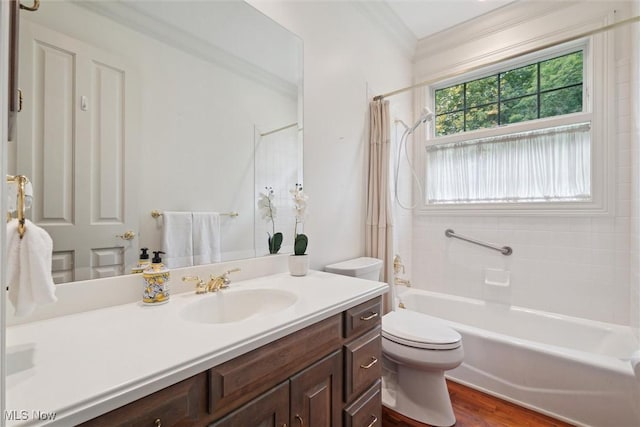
181 404
272 408
237 381
367 410
363 363
362 317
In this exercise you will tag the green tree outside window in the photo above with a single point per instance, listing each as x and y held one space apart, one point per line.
544 89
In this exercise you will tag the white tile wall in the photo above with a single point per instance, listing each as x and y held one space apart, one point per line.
633 160
580 266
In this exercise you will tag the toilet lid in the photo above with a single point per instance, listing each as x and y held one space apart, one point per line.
418 330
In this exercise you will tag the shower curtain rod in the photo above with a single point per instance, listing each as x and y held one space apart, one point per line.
476 67
279 129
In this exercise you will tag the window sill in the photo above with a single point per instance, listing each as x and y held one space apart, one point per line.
592 208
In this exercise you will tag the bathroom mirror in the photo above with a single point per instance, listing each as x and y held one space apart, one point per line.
139 106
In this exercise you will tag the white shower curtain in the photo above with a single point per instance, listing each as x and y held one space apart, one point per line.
379 226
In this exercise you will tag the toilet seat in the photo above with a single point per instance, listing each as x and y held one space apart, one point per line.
417 330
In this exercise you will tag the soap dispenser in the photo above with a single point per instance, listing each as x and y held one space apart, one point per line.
143 262
156 280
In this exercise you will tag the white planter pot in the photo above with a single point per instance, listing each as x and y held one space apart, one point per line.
298 264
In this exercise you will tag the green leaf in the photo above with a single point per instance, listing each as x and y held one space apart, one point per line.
300 244
275 242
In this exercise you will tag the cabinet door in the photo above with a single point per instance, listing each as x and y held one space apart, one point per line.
316 393
269 410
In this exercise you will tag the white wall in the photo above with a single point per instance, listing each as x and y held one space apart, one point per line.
196 121
347 60
577 266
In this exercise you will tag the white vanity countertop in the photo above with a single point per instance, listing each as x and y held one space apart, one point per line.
82 365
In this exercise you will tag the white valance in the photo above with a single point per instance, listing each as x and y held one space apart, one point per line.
544 165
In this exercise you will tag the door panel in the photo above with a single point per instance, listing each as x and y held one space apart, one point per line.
53 133
78 150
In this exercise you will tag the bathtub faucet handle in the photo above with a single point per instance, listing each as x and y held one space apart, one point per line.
397 264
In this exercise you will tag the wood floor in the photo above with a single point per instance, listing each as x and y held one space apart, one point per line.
477 409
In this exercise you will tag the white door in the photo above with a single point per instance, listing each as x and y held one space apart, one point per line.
76 145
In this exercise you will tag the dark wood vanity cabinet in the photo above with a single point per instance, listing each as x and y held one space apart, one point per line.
180 405
325 375
363 365
269 410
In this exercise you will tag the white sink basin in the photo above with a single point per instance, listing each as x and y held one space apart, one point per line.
235 306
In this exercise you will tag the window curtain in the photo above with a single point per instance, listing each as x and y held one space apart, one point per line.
379 223
551 164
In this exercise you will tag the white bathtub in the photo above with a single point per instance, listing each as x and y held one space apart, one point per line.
572 369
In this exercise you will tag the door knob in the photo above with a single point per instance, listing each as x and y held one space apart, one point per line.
128 235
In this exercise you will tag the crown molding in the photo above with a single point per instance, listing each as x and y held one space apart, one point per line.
184 41
381 14
496 21
513 28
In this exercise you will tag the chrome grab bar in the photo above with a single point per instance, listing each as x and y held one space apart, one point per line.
505 250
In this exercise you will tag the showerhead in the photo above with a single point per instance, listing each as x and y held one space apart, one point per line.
426 115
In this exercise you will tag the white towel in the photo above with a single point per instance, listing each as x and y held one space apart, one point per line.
177 242
206 237
29 268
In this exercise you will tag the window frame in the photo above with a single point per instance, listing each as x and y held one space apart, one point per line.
597 109
499 100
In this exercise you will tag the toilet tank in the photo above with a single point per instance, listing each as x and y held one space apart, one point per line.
363 268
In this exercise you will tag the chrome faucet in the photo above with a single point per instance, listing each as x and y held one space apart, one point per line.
214 284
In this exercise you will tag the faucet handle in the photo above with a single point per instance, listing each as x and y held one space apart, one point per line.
201 287
397 264
223 281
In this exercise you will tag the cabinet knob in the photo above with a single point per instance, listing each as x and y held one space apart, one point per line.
374 420
373 362
299 418
157 422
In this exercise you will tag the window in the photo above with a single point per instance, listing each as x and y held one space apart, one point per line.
544 89
520 136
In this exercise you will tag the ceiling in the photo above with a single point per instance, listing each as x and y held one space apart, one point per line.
427 17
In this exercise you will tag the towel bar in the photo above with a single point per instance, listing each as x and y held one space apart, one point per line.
156 214
505 250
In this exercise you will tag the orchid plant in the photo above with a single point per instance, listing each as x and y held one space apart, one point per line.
300 205
267 210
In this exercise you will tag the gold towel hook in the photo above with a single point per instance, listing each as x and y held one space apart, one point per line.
21 180
36 6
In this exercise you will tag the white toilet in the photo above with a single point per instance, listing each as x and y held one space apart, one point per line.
418 349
